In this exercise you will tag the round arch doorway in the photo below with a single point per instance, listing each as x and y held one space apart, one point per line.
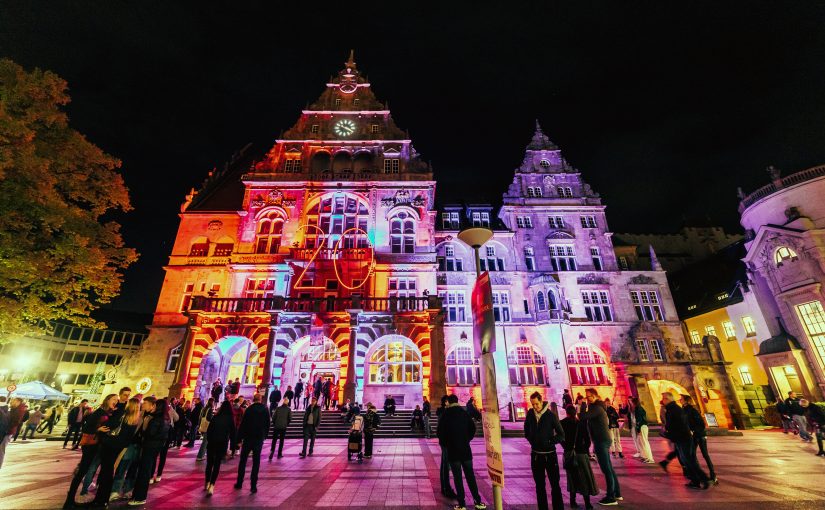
230 358
659 386
306 362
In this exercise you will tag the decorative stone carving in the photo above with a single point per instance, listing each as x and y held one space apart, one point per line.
591 279
499 279
560 234
641 279
214 225
622 350
402 197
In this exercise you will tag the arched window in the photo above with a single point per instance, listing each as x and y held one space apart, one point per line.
587 366
270 228
173 358
782 254
363 162
526 365
551 300
244 364
462 367
199 248
540 302
402 233
342 162
529 258
395 362
325 352
321 161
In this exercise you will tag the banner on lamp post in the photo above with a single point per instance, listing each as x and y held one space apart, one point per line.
484 339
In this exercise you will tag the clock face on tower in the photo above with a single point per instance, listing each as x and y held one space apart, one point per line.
344 127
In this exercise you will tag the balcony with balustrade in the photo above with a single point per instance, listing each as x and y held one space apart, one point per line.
203 304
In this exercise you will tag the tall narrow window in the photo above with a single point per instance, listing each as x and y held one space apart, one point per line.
695 338
188 289
812 317
646 303
450 221
556 221
564 191
597 305
596 258
402 233
173 358
491 262
485 219
314 128
526 366
391 165
730 332
449 262
710 330
588 221
292 166
749 325
541 303
529 258
454 307
587 366
524 222
259 288
404 289
270 229
643 352
462 367
623 265
501 306
562 257
745 375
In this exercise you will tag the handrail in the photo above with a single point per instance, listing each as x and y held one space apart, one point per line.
330 304
784 182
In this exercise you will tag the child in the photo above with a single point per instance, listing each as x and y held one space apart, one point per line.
580 478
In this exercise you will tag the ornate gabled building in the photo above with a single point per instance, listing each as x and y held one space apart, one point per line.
326 258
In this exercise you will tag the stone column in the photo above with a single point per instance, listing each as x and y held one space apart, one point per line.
185 362
438 367
352 384
266 380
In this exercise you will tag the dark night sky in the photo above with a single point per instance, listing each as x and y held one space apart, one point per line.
666 108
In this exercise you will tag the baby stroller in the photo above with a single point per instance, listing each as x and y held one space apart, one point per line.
356 439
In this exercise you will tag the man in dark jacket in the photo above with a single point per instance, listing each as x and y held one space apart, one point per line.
543 431
598 425
312 418
251 435
299 392
75 422
697 428
677 430
816 417
798 415
274 400
784 416
280 421
316 388
326 391
455 430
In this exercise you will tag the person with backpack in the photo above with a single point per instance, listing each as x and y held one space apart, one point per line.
280 421
543 431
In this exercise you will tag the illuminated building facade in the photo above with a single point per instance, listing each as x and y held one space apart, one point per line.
327 258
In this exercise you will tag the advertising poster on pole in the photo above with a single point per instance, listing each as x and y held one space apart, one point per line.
485 342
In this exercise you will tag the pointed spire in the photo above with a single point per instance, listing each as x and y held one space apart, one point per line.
540 142
654 260
351 60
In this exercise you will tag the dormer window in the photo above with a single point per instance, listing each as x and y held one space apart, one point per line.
450 221
314 128
375 129
544 163
534 191
564 191
337 102
356 102
292 166
783 254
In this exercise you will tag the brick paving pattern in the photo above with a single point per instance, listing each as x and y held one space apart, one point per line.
763 467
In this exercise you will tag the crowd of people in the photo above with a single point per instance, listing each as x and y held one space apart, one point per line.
802 418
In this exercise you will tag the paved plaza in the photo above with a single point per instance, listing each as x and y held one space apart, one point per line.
763 467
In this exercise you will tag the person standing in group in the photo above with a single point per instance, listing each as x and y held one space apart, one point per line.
597 425
326 392
281 417
221 430
299 393
455 431
126 464
316 388
798 416
251 434
237 417
194 422
111 444
699 431
678 431
217 391
444 468
154 436
613 426
291 395
371 423
566 398
205 417
816 417
472 410
784 416
336 390
94 426
580 479
312 418
640 431
543 431
428 413
5 427
33 422
75 422
120 408
307 396
274 400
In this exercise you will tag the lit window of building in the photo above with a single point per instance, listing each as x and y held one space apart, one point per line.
695 338
597 305
527 366
491 262
623 265
524 222
337 102
173 358
730 331
783 254
529 258
402 233
454 307
392 165
268 237
244 364
646 303
588 221
745 375
292 166
188 289
449 262
481 219
587 366
334 214
812 317
564 191
562 257
656 349
402 287
544 163
596 258
314 128
450 221
375 129
644 355
501 306
710 330
462 367
259 288
556 221
395 362
749 325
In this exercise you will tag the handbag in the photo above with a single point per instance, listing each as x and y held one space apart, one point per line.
203 425
88 439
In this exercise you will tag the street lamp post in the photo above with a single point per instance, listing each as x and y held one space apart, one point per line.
475 238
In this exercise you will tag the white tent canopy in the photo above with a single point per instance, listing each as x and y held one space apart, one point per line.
35 390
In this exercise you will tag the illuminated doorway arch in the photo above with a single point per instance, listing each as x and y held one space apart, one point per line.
659 386
305 362
229 358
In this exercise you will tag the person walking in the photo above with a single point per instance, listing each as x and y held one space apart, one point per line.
194 421
307 396
154 436
784 416
5 427
597 426
75 422
316 388
94 426
237 417
336 390
112 443
543 431
312 418
816 417
251 434
281 418
640 431
613 427
678 431
221 430
217 391
580 479
455 431
371 423
48 421
798 416
20 415
428 414
699 431
444 468
205 417
33 422
299 393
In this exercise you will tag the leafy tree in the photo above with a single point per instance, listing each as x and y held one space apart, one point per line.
59 254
